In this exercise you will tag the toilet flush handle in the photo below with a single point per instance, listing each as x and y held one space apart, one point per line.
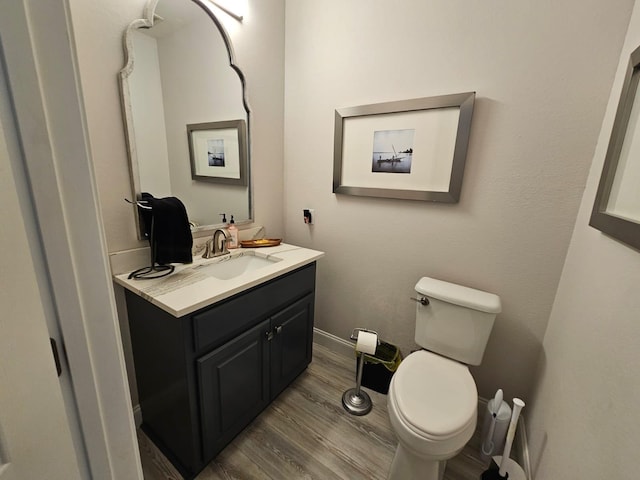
423 300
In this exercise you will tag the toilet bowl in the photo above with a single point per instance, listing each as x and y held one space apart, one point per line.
433 399
432 404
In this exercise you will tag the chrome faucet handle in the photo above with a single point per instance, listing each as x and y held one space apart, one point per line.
208 249
223 243
215 246
220 247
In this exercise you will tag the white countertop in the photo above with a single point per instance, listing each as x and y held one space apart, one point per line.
187 289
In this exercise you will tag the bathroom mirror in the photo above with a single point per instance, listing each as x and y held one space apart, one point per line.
180 70
616 210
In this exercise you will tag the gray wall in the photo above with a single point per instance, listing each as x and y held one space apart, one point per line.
583 420
542 72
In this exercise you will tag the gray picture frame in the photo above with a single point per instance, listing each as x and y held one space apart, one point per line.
602 218
464 102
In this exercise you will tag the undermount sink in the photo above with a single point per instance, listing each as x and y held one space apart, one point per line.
233 266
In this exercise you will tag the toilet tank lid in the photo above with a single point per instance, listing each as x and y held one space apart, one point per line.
459 295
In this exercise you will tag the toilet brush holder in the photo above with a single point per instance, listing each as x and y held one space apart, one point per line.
354 400
494 429
504 467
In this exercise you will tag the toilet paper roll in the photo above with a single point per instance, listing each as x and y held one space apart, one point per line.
367 342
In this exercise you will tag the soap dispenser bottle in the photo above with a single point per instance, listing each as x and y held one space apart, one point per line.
233 234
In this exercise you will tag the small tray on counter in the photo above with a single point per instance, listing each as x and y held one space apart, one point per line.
261 242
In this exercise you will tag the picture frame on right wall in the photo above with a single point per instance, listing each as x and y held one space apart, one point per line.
616 209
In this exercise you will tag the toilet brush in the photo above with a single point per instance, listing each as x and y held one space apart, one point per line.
488 444
507 466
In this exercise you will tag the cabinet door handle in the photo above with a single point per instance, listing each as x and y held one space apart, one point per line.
269 335
278 329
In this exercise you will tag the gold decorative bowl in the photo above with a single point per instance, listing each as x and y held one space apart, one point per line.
261 242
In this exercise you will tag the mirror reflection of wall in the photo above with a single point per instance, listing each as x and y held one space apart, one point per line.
147 109
181 75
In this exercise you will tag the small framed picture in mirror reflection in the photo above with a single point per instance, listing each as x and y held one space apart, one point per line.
218 151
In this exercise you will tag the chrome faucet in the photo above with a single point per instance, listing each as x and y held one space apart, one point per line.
216 246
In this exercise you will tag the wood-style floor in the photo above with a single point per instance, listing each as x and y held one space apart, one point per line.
306 434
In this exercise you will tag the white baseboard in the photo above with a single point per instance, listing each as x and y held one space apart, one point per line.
344 347
333 343
522 446
137 416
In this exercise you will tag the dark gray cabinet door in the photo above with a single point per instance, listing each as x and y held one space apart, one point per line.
203 377
234 387
291 346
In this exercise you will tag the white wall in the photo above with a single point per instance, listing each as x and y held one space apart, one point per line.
542 72
49 111
583 422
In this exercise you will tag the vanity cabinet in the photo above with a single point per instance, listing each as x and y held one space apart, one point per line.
202 378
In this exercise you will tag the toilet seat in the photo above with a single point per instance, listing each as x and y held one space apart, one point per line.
435 397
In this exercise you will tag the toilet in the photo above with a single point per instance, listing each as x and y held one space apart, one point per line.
432 398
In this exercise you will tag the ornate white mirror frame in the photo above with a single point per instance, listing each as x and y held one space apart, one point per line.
240 193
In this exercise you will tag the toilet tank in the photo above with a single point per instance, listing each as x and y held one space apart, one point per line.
457 321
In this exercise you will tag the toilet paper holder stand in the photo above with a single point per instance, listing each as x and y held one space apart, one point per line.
354 400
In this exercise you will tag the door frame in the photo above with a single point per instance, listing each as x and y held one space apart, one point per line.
46 91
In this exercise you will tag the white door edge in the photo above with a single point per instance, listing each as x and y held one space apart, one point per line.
43 79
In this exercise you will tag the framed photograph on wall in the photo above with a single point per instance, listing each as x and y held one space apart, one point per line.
218 151
616 209
410 149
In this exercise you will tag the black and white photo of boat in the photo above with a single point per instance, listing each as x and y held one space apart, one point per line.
215 152
392 151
